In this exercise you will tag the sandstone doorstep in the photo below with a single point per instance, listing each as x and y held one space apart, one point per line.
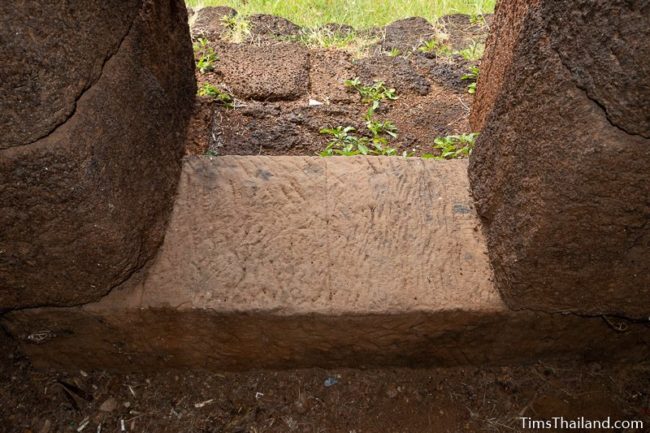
304 261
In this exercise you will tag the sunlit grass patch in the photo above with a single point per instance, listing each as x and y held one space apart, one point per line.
361 14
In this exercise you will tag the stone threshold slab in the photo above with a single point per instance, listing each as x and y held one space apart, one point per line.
302 235
279 262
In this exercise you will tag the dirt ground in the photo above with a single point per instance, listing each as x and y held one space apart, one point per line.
314 400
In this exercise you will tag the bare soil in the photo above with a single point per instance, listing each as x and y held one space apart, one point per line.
489 399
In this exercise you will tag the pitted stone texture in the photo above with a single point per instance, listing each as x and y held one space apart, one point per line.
408 34
397 72
85 205
611 66
327 74
322 235
272 26
51 55
208 22
500 46
562 183
266 73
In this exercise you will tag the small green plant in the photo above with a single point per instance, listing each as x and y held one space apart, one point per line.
453 146
238 28
376 92
473 52
394 52
477 19
204 55
377 128
433 46
472 77
224 98
345 143
372 95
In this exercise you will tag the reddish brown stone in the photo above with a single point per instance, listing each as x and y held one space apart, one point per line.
168 338
272 26
407 34
500 46
265 73
561 171
97 97
208 22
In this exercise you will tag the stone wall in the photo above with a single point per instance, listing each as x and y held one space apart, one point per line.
561 171
96 95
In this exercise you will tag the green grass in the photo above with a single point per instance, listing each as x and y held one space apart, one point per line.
360 14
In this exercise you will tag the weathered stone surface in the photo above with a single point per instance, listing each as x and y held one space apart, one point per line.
445 71
397 72
284 262
208 22
501 45
327 74
263 127
49 60
96 95
407 34
561 171
270 73
319 235
272 26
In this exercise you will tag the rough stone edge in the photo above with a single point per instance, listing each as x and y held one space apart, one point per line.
136 276
168 339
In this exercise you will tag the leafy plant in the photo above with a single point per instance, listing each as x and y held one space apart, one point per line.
238 27
477 19
376 92
453 146
378 128
218 95
472 77
436 47
204 55
373 94
473 52
394 52
344 143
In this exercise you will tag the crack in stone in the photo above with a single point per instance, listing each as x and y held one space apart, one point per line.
586 92
131 277
90 85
